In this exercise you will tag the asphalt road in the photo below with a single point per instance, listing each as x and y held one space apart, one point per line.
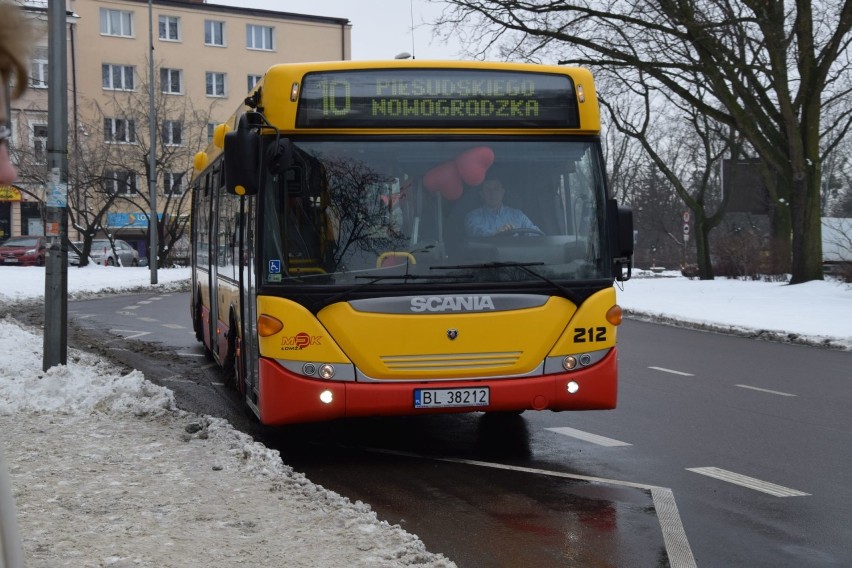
723 451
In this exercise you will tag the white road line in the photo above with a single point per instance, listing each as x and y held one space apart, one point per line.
149 320
749 482
779 393
588 437
180 354
674 535
176 379
133 332
673 372
130 308
174 326
144 302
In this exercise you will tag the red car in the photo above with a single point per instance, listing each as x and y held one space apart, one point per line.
23 251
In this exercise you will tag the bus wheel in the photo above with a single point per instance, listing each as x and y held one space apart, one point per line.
229 363
238 374
197 321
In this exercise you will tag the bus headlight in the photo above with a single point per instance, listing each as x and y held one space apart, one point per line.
572 387
326 371
326 396
569 362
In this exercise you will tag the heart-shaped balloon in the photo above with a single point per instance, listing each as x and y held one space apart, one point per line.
444 179
474 164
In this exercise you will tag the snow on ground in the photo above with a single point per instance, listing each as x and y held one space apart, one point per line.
106 471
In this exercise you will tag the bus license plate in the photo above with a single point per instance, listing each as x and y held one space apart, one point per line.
446 398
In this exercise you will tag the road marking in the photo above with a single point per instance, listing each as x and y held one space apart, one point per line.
130 308
82 316
133 332
144 302
588 437
749 482
674 535
673 372
779 393
176 379
174 326
149 320
181 354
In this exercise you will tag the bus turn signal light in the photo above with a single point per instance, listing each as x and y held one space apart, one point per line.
613 315
268 325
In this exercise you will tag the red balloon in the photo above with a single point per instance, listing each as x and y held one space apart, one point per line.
474 164
444 179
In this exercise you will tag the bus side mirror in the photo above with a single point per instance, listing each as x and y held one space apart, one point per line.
242 159
621 239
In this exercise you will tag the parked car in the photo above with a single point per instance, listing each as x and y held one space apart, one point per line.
103 252
23 251
73 257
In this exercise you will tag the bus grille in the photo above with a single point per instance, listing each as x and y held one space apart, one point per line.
452 361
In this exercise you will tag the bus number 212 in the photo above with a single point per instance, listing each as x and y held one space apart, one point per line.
589 334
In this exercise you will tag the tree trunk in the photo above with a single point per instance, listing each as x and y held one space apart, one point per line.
807 231
702 248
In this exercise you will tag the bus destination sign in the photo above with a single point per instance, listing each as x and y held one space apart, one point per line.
437 98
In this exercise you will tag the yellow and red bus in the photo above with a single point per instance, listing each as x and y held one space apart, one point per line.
337 271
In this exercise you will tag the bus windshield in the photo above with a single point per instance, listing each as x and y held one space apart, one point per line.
397 210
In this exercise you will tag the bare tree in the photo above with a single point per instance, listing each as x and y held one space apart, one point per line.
686 147
770 70
181 131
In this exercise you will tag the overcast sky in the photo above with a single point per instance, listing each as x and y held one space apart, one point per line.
381 29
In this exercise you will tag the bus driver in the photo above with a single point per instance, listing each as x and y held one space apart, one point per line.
492 217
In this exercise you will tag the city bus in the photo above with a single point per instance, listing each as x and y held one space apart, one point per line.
334 270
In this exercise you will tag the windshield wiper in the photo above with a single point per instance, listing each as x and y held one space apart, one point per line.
525 266
405 277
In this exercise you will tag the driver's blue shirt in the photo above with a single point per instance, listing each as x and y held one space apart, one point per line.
485 221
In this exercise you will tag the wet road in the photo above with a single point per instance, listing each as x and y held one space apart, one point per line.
747 440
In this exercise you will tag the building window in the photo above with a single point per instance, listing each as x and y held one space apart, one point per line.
253 80
170 28
214 33
171 81
259 37
39 68
211 128
172 183
116 22
120 182
215 84
40 143
119 130
172 133
118 77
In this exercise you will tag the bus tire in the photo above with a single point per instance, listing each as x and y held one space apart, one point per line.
229 362
197 321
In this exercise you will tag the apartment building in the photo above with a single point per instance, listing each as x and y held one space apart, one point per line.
206 58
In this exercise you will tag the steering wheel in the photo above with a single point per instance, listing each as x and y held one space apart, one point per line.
517 231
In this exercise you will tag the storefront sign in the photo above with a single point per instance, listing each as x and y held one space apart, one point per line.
129 220
10 193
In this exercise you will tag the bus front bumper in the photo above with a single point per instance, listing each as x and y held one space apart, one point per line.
288 398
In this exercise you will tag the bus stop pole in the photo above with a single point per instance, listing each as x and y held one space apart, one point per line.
153 221
56 193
